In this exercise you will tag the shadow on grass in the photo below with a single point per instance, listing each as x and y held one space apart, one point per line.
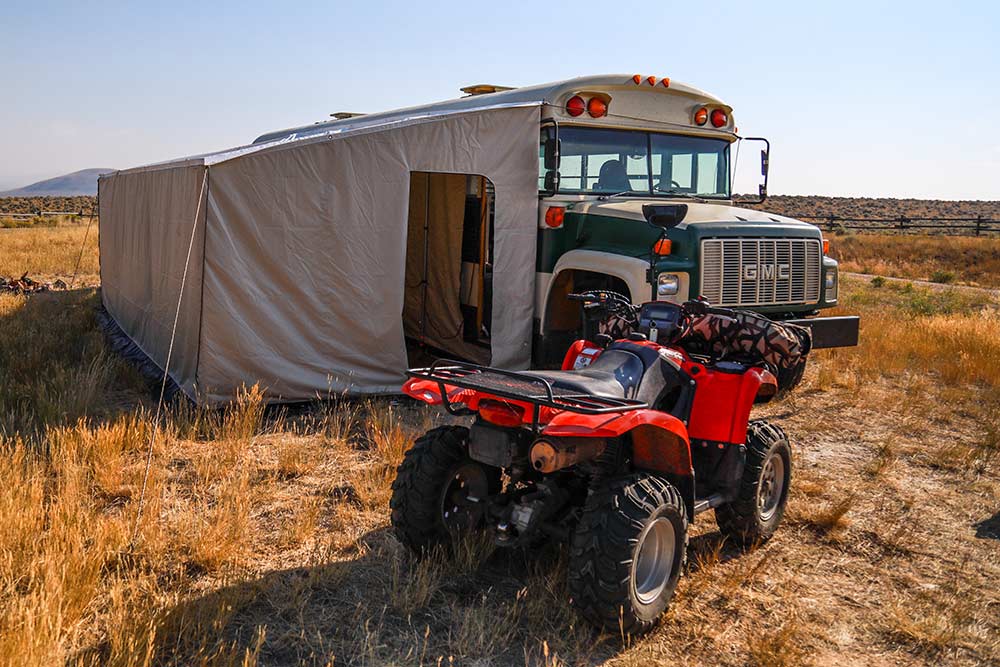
385 607
988 529
382 606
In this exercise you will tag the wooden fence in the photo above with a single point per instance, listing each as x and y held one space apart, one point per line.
964 226
35 214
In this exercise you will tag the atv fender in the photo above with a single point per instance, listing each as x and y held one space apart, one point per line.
659 441
722 403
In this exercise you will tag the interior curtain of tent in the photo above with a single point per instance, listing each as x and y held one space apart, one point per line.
446 306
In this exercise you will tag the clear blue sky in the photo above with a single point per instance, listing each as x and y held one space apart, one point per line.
862 99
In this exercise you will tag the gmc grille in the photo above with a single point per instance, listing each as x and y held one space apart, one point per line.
760 272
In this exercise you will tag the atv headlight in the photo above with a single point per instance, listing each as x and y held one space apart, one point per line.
831 286
667 284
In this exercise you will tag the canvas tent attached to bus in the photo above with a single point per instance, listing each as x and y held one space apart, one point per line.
293 253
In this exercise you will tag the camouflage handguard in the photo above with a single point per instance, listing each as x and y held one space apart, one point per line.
741 334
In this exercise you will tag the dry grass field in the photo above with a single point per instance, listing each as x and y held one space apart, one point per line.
265 539
946 259
51 252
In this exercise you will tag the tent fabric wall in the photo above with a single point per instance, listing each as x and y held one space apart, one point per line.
146 221
306 248
298 264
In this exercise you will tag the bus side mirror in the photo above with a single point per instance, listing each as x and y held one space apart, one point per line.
552 153
552 182
765 166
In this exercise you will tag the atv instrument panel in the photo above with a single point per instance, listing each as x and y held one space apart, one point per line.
659 320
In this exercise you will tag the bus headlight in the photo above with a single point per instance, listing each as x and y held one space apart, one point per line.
667 284
830 286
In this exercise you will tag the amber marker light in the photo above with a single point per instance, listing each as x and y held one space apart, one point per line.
554 216
637 79
663 247
826 246
665 82
701 116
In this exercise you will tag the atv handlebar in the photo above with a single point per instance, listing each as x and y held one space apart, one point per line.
606 312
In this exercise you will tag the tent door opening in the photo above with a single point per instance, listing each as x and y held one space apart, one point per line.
448 299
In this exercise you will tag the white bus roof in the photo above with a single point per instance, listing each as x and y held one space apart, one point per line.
546 94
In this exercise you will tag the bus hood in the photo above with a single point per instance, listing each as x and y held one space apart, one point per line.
697 213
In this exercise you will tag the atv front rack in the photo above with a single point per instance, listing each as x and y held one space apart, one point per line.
519 387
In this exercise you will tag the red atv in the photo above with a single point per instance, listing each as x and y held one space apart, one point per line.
617 453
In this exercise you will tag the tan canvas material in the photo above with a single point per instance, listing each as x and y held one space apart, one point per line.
146 224
303 253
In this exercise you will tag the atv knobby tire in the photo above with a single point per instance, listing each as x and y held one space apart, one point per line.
756 512
427 470
617 521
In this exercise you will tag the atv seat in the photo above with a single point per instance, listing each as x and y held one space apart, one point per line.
614 374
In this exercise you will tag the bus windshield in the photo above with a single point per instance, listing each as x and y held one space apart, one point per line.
597 161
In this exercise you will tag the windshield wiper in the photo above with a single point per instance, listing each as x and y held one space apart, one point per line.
686 195
620 194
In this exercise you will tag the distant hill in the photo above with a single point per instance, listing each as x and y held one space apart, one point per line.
78 183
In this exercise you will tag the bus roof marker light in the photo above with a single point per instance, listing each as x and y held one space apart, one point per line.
719 118
637 79
701 116
665 81
575 106
597 107
651 80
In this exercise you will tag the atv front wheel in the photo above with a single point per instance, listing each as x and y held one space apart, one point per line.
767 476
439 491
627 553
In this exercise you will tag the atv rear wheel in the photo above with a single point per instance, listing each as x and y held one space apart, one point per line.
627 553
439 491
767 477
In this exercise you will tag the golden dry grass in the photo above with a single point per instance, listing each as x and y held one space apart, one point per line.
967 260
264 538
52 252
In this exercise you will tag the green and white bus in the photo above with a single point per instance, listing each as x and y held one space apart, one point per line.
611 148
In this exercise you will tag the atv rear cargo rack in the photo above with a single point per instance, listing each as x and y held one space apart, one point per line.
519 387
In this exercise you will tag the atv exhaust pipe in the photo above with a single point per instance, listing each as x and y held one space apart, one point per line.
551 454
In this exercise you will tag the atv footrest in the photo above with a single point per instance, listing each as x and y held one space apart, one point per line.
519 387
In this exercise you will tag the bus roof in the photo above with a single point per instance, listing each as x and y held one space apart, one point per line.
546 93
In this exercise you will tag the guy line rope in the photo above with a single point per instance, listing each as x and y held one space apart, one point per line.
166 365
83 246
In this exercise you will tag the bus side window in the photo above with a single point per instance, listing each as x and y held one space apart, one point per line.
570 172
